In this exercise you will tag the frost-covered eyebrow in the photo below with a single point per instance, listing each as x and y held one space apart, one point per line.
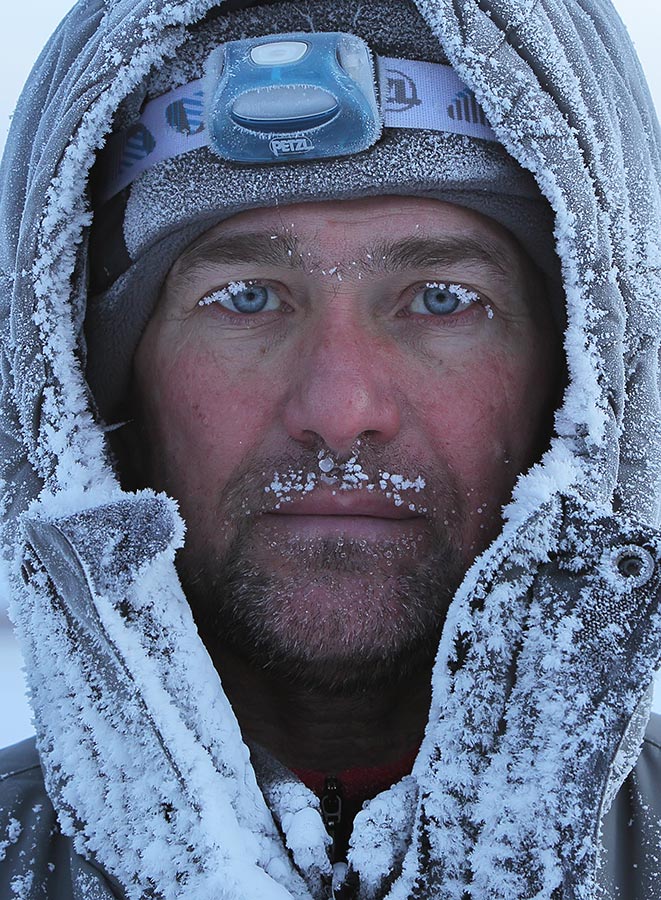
284 250
274 248
421 252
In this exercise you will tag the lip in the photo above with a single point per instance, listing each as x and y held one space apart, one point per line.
353 503
356 514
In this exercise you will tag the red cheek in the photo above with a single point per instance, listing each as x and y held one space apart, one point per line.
211 414
478 410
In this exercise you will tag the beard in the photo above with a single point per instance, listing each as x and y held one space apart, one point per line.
334 614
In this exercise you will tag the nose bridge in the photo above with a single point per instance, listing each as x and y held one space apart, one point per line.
344 346
343 386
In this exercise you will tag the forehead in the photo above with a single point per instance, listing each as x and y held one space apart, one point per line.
340 232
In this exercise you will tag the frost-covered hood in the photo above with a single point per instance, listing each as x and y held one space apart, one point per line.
550 643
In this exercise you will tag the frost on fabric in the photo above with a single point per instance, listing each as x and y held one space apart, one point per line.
12 834
297 813
80 721
21 886
576 648
381 835
198 779
74 443
141 749
534 131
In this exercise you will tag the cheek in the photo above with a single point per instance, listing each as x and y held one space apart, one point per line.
203 414
485 415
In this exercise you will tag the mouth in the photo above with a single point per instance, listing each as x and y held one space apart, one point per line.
351 514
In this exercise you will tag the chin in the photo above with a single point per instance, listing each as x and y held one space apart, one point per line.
335 632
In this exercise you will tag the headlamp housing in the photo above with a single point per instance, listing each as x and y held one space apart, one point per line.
294 96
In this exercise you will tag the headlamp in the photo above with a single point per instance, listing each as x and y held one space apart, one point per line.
295 96
291 97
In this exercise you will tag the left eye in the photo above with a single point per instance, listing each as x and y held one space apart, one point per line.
244 297
442 299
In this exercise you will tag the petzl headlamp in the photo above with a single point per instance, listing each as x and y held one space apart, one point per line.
292 97
296 96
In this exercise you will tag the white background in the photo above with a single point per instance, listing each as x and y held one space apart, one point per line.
26 27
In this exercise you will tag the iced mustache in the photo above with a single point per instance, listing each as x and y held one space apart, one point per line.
345 476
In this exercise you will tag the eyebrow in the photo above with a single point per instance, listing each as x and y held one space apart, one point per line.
278 248
417 253
284 250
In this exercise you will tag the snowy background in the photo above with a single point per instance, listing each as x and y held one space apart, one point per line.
26 27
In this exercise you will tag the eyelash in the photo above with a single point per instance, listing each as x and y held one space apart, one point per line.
465 296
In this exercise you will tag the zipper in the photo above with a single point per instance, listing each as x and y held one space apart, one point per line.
331 811
332 808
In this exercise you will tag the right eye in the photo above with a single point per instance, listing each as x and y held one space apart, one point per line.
244 298
442 299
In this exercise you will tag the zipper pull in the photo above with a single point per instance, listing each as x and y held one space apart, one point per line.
340 888
331 809
344 883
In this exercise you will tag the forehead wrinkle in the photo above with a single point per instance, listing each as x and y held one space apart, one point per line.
283 249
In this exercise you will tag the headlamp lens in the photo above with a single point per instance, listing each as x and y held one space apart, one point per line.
293 107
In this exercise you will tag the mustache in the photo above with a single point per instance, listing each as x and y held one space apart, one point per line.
263 484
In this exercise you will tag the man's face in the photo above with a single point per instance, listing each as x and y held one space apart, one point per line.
340 395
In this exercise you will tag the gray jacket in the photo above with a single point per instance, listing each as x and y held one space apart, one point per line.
541 684
37 858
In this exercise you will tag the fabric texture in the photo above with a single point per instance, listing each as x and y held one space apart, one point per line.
39 859
539 690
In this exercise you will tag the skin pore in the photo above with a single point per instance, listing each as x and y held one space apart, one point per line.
340 395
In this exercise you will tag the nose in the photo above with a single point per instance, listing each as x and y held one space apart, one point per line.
343 390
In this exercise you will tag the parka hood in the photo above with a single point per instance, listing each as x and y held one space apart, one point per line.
537 679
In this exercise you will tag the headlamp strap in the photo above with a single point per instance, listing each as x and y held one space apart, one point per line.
412 94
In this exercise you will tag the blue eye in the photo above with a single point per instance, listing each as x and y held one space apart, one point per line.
442 299
251 300
244 297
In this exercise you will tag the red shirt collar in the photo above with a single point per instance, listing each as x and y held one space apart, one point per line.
360 782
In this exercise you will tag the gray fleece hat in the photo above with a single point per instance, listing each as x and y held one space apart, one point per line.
140 232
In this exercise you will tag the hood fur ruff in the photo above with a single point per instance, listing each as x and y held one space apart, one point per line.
548 649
